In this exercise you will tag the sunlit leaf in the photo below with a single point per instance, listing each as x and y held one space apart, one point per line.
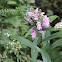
52 18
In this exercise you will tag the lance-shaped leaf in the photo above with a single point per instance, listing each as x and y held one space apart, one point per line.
23 41
56 44
34 51
52 18
34 54
45 56
55 35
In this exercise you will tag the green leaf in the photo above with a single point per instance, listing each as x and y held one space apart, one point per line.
52 29
11 2
55 35
45 56
31 1
56 44
22 1
45 43
34 51
34 54
37 40
39 61
55 55
23 41
4 38
23 26
4 41
52 18
10 31
8 60
1 1
15 21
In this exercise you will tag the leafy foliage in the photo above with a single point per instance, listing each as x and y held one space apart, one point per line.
14 29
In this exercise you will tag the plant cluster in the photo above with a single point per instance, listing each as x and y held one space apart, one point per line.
25 35
37 20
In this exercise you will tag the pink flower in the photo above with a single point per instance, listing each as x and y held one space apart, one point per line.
28 19
26 14
39 25
36 11
35 17
32 29
33 34
42 14
41 31
27 10
30 13
30 9
45 21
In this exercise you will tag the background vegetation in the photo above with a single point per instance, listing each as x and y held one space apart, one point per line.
16 43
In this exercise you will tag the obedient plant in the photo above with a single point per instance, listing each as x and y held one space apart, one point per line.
38 20
19 24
